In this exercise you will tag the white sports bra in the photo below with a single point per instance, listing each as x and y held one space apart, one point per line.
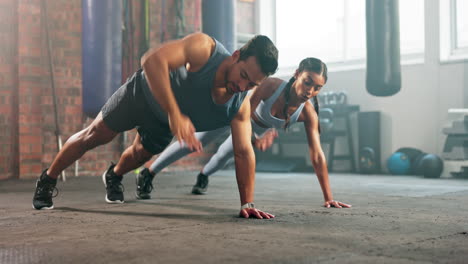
263 110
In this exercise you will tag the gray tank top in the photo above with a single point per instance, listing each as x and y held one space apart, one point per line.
263 111
192 91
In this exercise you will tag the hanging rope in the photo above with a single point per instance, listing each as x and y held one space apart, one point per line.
52 79
180 18
163 21
144 21
127 39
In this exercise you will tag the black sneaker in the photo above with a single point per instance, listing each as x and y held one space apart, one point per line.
44 193
114 187
202 184
144 182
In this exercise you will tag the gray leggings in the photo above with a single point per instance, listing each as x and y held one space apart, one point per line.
175 151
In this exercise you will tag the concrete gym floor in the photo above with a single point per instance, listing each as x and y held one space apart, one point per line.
394 219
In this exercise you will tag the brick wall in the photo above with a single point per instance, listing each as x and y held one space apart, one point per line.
27 123
8 91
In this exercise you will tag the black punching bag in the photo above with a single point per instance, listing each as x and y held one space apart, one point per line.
101 52
383 75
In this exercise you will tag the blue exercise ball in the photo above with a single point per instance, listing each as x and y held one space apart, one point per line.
398 163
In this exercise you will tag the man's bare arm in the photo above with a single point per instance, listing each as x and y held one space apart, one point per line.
193 50
245 161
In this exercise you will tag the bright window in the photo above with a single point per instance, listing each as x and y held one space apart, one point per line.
462 24
411 27
335 31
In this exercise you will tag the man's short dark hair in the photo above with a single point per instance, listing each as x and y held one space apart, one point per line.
264 51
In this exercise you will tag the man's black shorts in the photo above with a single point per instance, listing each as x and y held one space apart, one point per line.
127 109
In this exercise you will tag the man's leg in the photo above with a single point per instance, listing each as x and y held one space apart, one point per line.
132 158
117 115
97 133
